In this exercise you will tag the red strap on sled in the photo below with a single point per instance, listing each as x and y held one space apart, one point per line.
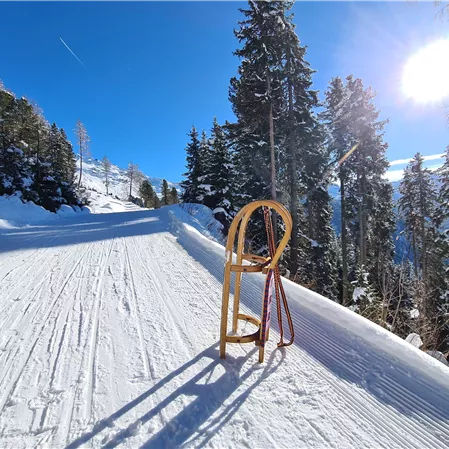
275 275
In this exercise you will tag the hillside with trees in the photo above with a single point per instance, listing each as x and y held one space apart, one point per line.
279 147
36 159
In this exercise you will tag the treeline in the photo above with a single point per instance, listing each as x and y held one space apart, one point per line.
137 181
280 148
150 198
36 158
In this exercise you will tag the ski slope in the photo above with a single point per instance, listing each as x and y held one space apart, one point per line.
109 328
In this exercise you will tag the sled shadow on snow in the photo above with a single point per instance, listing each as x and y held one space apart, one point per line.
345 354
210 395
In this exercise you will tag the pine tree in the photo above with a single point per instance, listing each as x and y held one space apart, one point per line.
147 194
35 159
219 179
417 206
190 185
174 196
352 123
442 212
106 168
39 139
157 202
337 130
256 97
299 133
83 145
165 193
54 152
68 168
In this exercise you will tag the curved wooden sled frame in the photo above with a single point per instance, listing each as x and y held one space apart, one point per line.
263 264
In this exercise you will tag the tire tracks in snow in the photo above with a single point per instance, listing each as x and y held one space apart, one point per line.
103 265
172 257
136 312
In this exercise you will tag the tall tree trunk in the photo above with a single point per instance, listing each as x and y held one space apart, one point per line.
294 203
344 241
425 296
272 155
362 221
423 227
81 163
38 151
81 170
415 256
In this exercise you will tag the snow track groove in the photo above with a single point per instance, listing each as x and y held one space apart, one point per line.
108 338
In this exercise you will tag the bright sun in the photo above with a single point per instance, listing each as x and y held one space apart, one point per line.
426 75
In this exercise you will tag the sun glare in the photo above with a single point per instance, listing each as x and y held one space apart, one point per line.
426 74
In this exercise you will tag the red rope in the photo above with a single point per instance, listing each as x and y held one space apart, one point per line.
279 288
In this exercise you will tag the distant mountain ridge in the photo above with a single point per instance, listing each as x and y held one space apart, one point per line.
93 179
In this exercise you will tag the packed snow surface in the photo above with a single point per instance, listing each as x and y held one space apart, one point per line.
109 327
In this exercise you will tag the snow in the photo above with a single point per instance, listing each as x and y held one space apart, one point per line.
93 179
439 356
13 212
414 340
358 293
15 150
17 213
103 204
109 329
219 210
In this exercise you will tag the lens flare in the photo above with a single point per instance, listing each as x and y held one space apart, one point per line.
426 74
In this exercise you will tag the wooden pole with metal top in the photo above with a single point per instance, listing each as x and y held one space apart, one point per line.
262 264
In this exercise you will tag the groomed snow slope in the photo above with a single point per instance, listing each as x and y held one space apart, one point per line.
109 330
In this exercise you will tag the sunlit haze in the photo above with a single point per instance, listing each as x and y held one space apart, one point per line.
426 74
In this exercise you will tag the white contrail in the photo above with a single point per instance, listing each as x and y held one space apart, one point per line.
70 50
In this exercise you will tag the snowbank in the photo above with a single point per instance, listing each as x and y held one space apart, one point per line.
14 212
199 219
17 213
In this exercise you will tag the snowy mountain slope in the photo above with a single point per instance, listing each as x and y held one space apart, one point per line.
93 179
100 203
109 331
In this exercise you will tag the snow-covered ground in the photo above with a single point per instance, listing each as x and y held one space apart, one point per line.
16 213
109 329
102 204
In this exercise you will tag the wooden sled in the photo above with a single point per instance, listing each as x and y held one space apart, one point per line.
266 265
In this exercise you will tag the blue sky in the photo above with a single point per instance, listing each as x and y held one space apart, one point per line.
154 69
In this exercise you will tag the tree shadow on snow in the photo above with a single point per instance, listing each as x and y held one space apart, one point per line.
85 229
209 392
